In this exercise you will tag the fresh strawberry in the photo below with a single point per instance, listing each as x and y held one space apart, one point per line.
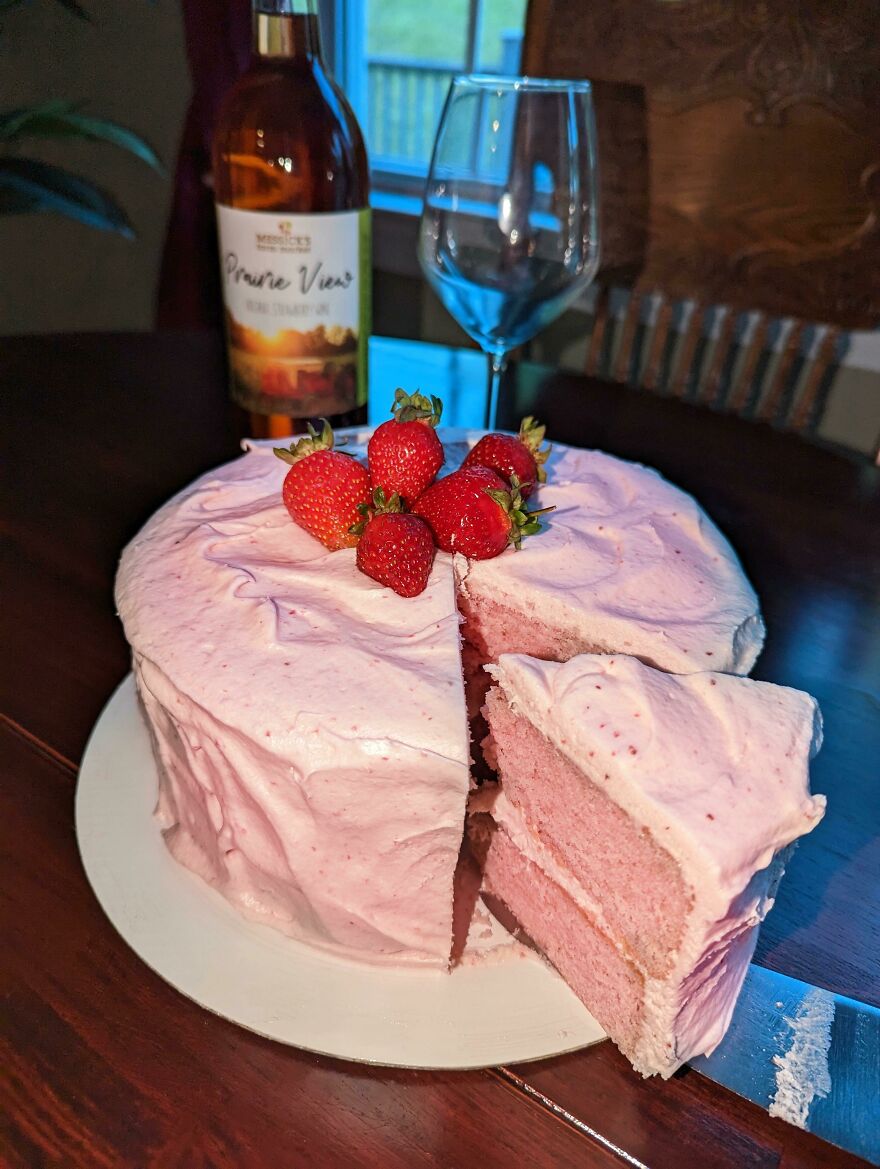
324 488
395 549
405 453
509 455
473 511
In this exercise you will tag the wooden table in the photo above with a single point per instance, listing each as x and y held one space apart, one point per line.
108 1066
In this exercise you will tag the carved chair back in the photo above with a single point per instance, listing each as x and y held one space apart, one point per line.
739 149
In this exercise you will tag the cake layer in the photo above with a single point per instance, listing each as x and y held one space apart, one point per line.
309 724
627 564
586 958
644 900
698 785
715 766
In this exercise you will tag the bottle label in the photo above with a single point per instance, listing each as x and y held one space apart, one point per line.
297 295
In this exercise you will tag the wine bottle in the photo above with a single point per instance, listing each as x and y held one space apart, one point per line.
291 187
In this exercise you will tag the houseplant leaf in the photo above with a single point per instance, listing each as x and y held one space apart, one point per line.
58 119
12 121
70 5
29 185
76 9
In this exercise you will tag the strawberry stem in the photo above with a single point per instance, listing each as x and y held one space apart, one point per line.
523 523
531 435
378 505
416 408
315 440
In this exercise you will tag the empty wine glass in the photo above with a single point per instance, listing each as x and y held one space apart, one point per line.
509 235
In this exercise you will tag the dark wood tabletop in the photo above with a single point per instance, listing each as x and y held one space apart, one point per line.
107 1066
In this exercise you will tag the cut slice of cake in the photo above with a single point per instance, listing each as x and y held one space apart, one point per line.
639 834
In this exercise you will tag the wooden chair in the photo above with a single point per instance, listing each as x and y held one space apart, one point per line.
739 148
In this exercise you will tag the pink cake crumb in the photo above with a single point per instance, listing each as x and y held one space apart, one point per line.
488 630
588 961
639 884
493 629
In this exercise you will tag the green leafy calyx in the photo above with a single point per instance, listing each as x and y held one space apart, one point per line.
378 505
523 523
315 440
416 408
531 435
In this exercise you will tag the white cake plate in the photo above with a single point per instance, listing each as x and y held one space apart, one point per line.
500 1011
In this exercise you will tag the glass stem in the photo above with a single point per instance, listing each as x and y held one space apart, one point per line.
497 366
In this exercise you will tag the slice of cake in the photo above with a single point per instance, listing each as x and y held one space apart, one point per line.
639 833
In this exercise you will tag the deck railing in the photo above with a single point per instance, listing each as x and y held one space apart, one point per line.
406 97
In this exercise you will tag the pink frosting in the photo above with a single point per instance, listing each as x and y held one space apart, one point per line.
310 725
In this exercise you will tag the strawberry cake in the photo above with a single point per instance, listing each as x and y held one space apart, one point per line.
311 726
639 831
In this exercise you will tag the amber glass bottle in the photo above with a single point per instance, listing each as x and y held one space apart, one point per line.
292 191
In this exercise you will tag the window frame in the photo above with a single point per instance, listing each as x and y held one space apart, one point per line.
398 188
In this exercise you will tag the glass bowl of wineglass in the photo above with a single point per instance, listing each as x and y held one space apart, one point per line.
509 235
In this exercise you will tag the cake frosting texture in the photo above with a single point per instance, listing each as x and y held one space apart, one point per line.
714 769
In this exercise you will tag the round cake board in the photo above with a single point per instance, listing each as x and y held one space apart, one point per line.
498 1010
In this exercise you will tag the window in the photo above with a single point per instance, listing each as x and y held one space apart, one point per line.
395 59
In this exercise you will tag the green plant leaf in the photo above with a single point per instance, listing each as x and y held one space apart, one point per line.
27 185
71 6
12 121
76 9
14 202
60 119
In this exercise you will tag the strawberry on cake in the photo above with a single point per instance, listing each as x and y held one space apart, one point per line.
638 835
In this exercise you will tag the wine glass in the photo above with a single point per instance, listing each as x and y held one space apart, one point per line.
509 235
